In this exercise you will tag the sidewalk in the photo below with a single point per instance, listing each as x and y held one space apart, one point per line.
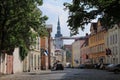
40 71
29 73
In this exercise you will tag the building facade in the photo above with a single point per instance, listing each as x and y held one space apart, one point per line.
84 50
6 63
32 60
97 43
68 49
44 56
76 51
49 29
9 62
113 43
17 62
60 55
53 58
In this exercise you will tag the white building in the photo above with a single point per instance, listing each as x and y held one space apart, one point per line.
17 62
113 43
32 61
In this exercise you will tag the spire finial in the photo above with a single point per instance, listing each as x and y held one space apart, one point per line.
58 21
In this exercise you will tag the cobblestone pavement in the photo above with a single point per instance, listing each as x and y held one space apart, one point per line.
67 74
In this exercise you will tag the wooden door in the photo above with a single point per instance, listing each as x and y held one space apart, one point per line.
9 64
43 62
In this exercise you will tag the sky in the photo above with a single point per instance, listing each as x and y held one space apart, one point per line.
54 9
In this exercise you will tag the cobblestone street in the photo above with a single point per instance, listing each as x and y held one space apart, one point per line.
67 74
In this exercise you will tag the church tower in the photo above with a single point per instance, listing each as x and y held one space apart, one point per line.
58 35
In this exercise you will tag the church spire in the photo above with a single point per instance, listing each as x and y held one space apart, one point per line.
58 34
58 27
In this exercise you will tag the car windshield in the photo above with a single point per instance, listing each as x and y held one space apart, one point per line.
110 65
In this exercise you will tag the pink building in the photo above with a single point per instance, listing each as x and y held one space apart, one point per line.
84 49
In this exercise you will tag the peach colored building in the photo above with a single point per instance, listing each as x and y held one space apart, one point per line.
44 57
46 47
76 59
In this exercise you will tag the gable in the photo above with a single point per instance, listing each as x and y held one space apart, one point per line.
93 28
99 26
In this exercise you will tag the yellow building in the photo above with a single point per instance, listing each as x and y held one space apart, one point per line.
97 43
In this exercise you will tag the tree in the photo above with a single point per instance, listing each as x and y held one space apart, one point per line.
68 55
83 11
17 19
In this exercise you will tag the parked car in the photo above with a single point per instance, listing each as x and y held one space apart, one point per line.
114 68
68 65
96 66
104 66
57 66
82 66
86 66
109 66
101 66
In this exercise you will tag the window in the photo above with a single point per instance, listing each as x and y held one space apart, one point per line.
98 37
38 61
98 48
101 47
32 60
95 48
91 50
107 41
38 44
110 40
116 50
35 61
113 51
115 38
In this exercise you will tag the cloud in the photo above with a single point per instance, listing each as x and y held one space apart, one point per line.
55 10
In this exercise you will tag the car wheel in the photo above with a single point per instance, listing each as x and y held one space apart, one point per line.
116 71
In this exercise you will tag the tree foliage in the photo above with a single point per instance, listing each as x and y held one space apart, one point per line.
83 11
68 54
17 18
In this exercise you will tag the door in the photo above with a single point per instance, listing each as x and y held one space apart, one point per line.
43 62
9 64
